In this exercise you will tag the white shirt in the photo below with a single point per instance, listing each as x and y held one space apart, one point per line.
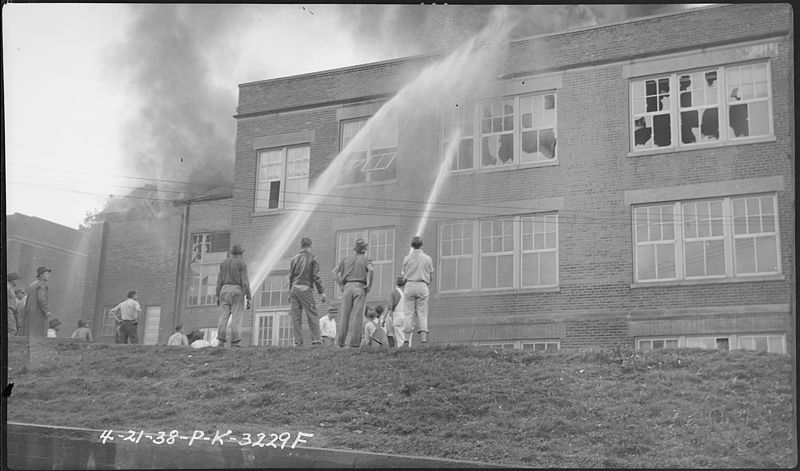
51 334
201 343
178 339
327 327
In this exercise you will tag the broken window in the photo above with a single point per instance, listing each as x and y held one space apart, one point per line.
370 154
652 105
748 100
702 97
497 133
698 102
282 177
537 128
209 249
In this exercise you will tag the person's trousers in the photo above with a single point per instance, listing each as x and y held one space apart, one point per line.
397 320
13 329
416 294
351 322
128 331
303 299
328 341
231 307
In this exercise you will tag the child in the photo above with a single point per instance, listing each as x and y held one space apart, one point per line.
82 332
373 335
52 331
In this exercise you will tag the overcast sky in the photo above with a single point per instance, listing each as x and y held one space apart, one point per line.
100 99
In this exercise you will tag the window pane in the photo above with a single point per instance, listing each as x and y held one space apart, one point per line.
767 254
645 262
739 220
505 271
695 265
746 343
666 260
447 279
775 344
488 272
530 269
762 344
745 256
548 268
464 278
715 257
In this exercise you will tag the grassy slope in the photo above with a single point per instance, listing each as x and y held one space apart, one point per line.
620 408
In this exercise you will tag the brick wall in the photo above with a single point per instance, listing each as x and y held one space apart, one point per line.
593 172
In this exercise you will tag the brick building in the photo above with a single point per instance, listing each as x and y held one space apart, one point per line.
663 216
169 252
32 242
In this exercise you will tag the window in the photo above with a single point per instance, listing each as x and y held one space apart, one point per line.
505 253
282 177
513 131
683 109
209 249
275 291
371 155
109 324
152 319
534 345
706 239
273 329
380 248
772 343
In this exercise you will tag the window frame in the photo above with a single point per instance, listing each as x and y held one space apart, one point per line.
723 105
728 237
283 276
734 340
283 178
477 135
385 155
281 328
212 265
477 256
520 344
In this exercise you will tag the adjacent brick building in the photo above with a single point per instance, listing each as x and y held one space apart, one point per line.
169 252
32 242
629 184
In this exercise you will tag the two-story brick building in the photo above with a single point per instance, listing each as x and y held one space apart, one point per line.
629 184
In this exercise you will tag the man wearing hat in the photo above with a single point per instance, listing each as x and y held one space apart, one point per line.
327 326
127 314
303 278
13 314
37 310
354 275
418 272
233 288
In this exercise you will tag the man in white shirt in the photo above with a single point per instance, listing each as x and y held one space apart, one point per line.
178 338
127 314
327 326
418 271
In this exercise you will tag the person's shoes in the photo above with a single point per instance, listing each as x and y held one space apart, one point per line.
316 344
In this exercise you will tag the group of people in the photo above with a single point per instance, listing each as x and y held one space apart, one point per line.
29 311
406 312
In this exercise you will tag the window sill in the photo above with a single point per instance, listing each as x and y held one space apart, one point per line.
503 168
366 184
741 279
710 145
499 292
270 212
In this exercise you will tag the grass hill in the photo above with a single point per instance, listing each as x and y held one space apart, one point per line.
603 408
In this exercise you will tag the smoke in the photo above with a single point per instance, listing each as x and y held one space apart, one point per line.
402 30
183 128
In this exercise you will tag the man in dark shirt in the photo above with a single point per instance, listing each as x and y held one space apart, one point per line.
354 275
233 287
303 276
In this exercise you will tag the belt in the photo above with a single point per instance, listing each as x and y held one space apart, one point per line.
417 281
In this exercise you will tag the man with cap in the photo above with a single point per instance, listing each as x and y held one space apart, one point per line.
303 277
12 308
37 310
418 272
354 275
327 326
127 314
233 289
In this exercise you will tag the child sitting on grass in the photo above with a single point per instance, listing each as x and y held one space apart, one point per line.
373 336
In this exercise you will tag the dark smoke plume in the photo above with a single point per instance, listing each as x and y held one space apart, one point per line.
183 130
402 30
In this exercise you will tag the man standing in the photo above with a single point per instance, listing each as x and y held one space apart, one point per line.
418 271
327 326
12 308
233 288
354 275
127 314
37 311
303 276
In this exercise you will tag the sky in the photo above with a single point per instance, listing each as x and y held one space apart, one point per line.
100 99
